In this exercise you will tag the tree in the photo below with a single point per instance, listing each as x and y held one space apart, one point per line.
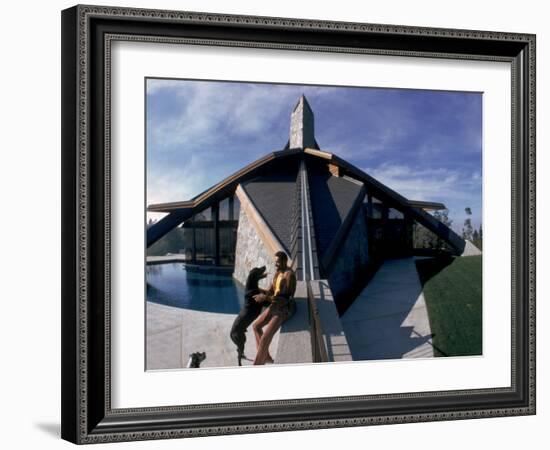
443 217
424 238
478 238
467 231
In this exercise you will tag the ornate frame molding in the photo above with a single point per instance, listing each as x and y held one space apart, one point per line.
86 192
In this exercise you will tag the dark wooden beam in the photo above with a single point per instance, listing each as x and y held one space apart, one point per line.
163 226
215 220
370 234
210 224
369 205
194 229
408 232
231 207
225 187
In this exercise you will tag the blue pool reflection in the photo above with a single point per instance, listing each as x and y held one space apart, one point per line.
194 288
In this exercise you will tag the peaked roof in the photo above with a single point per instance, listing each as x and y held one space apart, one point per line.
222 189
277 197
279 167
332 199
273 195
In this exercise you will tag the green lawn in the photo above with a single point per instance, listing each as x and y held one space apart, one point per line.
452 289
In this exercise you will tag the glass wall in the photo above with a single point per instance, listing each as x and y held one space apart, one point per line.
389 233
374 208
203 216
209 237
228 242
395 214
204 244
424 239
223 213
176 242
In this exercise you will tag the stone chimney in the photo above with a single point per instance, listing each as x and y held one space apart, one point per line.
302 130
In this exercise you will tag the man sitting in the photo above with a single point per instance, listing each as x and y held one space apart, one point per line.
279 296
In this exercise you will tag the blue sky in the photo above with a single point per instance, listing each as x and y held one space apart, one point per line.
426 145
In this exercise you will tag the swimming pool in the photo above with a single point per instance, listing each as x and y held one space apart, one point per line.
196 288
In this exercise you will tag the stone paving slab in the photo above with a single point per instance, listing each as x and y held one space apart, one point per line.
331 325
295 338
389 319
174 333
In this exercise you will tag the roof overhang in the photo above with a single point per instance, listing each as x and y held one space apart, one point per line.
229 184
224 187
427 206
416 208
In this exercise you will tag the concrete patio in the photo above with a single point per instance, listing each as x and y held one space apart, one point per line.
389 319
173 333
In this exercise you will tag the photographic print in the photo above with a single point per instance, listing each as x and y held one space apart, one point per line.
305 224
247 193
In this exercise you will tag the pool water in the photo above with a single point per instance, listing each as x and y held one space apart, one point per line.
200 289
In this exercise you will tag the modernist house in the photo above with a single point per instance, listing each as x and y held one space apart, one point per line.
334 221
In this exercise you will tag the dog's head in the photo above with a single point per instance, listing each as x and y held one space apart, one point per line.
198 356
254 277
195 359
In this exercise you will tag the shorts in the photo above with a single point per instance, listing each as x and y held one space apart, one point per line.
279 307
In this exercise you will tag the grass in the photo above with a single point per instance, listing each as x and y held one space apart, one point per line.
452 289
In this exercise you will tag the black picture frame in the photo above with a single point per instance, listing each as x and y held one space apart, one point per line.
87 416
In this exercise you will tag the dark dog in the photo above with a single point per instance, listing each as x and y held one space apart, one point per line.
195 359
250 310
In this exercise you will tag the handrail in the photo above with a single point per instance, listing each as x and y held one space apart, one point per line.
318 345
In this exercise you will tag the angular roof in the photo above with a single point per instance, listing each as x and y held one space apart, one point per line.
332 199
271 181
328 202
274 196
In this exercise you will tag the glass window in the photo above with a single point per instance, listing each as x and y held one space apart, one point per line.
377 205
426 239
204 216
395 214
204 238
195 238
228 240
236 207
224 209
177 241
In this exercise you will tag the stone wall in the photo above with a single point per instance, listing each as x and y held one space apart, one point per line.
351 260
251 252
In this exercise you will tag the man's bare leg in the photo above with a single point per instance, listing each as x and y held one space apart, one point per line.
265 340
259 323
262 320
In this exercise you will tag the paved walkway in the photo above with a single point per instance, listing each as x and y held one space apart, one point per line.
174 333
389 319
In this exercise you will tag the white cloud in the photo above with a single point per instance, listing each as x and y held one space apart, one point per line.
426 183
155 85
455 189
209 108
177 183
